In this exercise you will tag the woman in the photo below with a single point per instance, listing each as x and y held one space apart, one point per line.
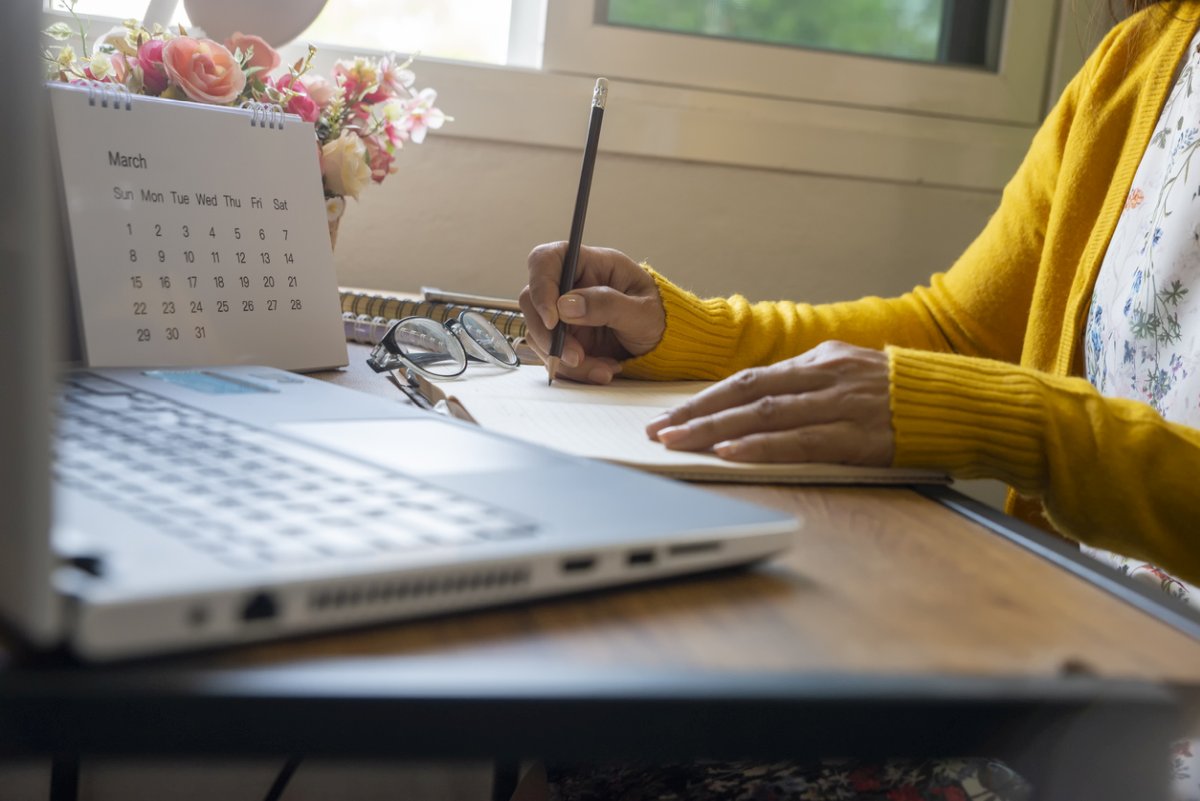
1060 354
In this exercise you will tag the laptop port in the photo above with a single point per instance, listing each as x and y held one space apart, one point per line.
693 548
578 564
260 606
642 557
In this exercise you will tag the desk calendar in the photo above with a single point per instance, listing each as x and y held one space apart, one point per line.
197 234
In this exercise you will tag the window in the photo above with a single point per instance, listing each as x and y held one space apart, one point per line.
942 31
722 88
464 30
924 43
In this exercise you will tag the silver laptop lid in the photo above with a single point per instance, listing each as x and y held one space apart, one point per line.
29 303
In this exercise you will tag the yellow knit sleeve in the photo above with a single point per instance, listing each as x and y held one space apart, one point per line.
1088 458
714 338
980 307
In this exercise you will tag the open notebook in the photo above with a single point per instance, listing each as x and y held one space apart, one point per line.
608 423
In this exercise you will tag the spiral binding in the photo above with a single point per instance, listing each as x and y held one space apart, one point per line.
264 115
105 93
364 328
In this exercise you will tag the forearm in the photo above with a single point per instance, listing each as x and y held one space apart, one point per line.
1111 473
713 338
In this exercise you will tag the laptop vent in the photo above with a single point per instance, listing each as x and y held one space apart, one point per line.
378 592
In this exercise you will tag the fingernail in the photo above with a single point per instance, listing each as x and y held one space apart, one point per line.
671 433
599 375
571 358
725 449
662 419
572 307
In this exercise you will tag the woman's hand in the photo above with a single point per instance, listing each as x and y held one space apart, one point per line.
830 404
614 312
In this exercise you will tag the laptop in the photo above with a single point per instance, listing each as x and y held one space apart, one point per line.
147 512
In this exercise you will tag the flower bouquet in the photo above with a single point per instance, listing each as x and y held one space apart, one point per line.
362 114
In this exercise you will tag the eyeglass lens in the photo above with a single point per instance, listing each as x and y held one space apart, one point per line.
428 345
487 337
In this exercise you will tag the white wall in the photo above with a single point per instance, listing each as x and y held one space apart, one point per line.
463 214
465 209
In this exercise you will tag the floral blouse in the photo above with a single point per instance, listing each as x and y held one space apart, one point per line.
1142 339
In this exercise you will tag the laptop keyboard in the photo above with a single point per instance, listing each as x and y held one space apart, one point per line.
247 496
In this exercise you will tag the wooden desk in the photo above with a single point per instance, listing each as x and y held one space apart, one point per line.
895 626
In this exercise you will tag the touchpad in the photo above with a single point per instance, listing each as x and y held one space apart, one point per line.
423 447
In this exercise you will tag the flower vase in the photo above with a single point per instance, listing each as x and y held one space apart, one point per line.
335 207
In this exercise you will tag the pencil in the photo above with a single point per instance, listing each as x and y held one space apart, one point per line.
571 262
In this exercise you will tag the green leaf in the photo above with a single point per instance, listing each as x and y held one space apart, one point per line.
59 31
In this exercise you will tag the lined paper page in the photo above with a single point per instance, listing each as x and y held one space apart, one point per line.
609 423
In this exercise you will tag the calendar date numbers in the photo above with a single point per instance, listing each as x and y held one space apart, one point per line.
201 273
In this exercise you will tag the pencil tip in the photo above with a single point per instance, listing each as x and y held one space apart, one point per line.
551 370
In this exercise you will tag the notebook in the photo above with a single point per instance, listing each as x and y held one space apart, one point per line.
609 423
133 549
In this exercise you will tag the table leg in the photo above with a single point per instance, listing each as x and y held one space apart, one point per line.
64 778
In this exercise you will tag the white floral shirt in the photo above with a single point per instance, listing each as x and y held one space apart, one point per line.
1142 339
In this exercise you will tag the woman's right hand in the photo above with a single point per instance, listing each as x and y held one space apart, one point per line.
613 313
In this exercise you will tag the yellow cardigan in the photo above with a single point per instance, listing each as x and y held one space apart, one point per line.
986 361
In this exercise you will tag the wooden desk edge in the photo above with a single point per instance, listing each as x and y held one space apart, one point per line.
1062 554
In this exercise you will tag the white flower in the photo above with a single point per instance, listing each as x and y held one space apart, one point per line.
344 165
119 40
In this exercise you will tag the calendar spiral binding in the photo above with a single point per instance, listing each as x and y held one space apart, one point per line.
117 96
105 93
264 115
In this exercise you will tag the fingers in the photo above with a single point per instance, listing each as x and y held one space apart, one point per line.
585 369
766 414
545 272
746 387
632 318
842 442
831 364
830 404
614 309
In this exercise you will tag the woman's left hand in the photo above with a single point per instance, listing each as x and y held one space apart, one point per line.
830 404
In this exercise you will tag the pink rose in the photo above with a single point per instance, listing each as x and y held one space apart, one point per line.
304 108
204 69
319 89
263 54
298 101
150 58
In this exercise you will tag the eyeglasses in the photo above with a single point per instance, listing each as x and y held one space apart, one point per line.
441 350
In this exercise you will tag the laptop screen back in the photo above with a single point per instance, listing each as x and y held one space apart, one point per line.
30 305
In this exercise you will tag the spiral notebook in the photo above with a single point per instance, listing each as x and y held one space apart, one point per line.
609 423
197 234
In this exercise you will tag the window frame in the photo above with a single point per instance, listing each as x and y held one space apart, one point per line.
537 107
577 43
